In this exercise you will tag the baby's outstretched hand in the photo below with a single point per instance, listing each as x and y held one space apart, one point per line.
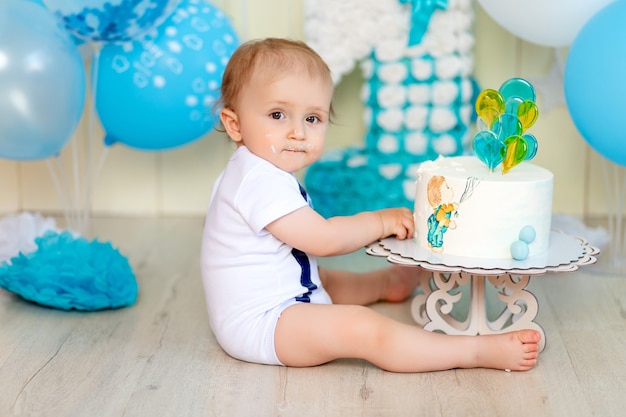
398 222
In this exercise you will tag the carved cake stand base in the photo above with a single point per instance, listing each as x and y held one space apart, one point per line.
434 307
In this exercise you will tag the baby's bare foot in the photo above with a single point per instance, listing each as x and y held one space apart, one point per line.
400 282
515 351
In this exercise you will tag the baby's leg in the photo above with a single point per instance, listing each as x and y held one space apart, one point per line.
313 334
393 284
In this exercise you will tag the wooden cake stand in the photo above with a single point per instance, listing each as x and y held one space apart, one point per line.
433 307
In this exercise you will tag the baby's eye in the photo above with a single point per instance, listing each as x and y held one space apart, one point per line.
313 119
277 115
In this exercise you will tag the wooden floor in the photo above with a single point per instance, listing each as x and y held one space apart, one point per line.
159 357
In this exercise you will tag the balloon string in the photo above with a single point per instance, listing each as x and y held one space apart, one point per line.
61 191
86 226
77 199
615 189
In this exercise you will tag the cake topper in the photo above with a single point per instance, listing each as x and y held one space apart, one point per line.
504 116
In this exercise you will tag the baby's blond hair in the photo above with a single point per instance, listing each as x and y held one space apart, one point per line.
268 58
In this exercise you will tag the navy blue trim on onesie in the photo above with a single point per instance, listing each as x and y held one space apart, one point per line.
305 265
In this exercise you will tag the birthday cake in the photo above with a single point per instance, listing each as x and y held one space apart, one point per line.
463 209
494 204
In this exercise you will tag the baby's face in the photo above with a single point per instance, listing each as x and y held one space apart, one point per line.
285 121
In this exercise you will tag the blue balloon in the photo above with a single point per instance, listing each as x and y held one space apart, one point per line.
595 83
159 93
42 82
110 20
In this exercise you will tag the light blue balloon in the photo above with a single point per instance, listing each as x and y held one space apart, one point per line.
595 82
159 93
110 20
42 82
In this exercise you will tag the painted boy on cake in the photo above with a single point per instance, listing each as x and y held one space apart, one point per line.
440 197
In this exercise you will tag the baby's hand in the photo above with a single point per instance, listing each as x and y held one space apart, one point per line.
398 222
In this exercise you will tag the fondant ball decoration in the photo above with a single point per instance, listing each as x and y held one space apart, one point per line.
527 234
594 82
110 20
71 273
42 82
519 248
504 116
158 92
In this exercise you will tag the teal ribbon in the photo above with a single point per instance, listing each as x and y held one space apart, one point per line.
421 12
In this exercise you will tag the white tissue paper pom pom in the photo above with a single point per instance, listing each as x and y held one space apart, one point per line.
465 42
419 93
445 145
416 143
465 113
390 120
357 161
411 171
390 95
408 187
442 119
467 138
445 93
367 68
421 69
467 90
440 45
390 50
448 67
18 233
390 171
416 117
441 22
393 73
387 144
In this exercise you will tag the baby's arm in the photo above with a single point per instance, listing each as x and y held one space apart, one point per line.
306 230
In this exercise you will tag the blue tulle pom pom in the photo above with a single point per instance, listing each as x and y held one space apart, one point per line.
71 273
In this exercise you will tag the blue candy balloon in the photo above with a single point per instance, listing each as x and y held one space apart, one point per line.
594 82
110 20
159 93
42 82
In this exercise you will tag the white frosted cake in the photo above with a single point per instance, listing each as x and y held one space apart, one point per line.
463 209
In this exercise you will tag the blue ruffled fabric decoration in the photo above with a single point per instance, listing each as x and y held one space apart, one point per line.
71 273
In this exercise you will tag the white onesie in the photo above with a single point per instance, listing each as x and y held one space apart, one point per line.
249 276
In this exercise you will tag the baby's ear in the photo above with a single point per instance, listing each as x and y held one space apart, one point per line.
230 121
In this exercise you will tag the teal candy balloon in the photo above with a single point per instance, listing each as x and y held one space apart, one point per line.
531 142
159 94
594 82
507 125
518 87
489 149
42 82
513 104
